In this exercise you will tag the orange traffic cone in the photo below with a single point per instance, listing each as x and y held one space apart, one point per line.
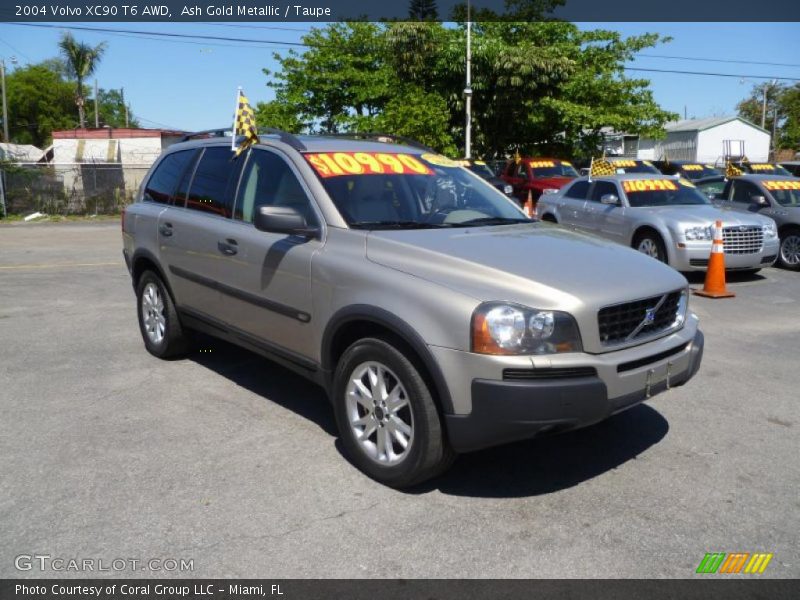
714 286
530 209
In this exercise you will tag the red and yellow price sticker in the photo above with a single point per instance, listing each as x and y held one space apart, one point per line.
540 164
762 167
336 164
692 167
786 184
647 185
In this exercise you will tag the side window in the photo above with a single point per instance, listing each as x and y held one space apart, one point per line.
179 198
743 191
269 181
214 181
578 190
521 171
601 188
161 185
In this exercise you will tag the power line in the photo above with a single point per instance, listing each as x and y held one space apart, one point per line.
719 60
713 74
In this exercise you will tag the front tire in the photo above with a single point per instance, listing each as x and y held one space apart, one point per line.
652 245
386 415
789 256
161 329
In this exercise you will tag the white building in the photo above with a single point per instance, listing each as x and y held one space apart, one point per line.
20 153
708 140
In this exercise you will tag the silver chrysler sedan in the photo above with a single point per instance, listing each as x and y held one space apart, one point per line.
665 217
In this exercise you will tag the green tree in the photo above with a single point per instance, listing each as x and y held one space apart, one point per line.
790 111
782 101
112 108
82 60
39 101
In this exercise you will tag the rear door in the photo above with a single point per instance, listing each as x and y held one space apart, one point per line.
194 249
607 220
571 203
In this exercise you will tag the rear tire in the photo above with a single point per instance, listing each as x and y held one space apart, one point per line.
159 324
789 255
387 418
652 245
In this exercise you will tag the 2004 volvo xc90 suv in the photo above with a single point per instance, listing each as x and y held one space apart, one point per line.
436 315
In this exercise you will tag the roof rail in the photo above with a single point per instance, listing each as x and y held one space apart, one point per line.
390 137
284 136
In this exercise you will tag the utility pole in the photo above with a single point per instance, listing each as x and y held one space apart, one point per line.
764 107
468 88
96 111
5 104
774 134
124 106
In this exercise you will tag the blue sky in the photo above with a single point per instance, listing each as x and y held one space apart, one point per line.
192 84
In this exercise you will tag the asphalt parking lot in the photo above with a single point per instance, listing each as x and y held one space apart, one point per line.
230 461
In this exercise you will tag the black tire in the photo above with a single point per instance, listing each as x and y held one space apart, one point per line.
788 236
428 453
174 341
657 245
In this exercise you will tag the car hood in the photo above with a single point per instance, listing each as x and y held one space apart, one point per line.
537 264
705 215
551 182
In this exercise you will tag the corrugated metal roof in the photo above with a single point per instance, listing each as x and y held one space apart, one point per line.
707 123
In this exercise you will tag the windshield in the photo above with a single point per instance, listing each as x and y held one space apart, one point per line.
765 169
634 166
697 171
785 192
543 169
408 191
482 169
662 192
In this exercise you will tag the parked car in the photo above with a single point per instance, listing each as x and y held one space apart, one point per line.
761 168
663 217
793 166
631 165
688 169
408 288
774 196
537 176
480 168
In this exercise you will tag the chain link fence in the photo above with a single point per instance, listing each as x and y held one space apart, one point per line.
73 189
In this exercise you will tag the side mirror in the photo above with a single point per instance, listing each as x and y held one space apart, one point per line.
759 200
611 199
282 219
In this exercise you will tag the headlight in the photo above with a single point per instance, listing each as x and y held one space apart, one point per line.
500 328
507 189
683 309
550 191
770 230
699 233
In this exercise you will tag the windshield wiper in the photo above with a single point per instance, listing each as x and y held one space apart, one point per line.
491 221
396 225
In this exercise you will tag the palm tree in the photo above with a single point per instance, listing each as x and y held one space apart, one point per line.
82 60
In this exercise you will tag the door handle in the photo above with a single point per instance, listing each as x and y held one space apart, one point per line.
228 247
165 229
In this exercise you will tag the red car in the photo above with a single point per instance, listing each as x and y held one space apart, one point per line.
537 175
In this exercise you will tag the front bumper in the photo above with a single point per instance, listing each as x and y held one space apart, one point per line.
504 411
694 257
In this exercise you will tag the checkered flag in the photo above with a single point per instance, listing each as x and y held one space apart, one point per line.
244 124
732 170
601 167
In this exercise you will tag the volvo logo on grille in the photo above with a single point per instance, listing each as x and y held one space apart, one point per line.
649 316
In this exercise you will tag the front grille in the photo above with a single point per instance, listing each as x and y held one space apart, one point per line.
618 322
745 239
548 373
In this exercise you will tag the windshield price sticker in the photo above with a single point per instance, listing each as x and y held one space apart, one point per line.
782 185
647 185
692 167
624 163
762 167
336 164
539 164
